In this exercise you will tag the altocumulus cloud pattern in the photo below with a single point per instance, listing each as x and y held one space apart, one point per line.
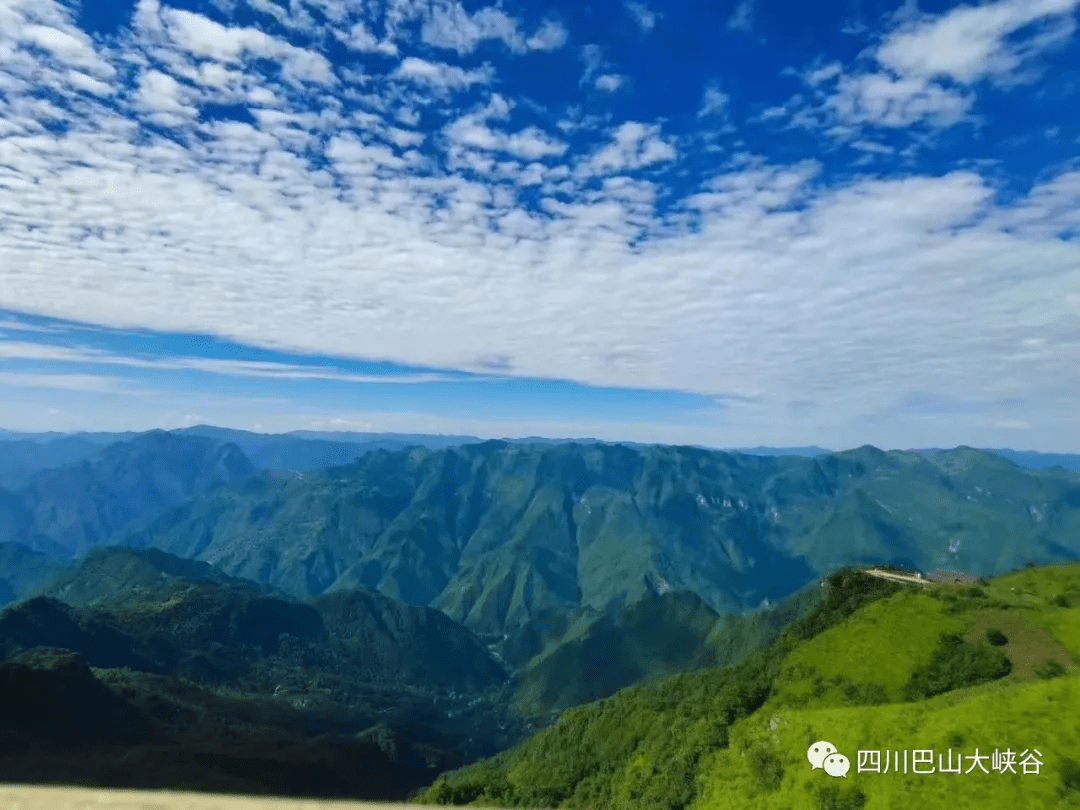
858 223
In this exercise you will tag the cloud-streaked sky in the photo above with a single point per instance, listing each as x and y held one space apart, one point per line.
723 223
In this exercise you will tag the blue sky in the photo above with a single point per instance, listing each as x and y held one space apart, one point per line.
729 224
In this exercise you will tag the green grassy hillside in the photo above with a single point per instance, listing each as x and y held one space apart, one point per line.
874 667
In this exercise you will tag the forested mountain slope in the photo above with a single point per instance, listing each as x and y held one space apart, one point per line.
875 667
496 534
68 510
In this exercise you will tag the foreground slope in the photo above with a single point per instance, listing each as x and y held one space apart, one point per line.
876 666
62 722
35 797
237 687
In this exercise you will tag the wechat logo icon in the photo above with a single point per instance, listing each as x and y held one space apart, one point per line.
823 754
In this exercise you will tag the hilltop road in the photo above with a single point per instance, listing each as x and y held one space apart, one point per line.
895 577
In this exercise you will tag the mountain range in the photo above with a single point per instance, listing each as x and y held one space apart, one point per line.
417 607
496 534
22 454
65 511
185 657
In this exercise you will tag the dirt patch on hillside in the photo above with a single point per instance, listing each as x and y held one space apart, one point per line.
1029 644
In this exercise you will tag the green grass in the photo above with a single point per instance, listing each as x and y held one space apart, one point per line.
737 738
881 646
994 716
765 765
1046 591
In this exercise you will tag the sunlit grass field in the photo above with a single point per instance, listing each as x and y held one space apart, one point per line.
870 671
766 765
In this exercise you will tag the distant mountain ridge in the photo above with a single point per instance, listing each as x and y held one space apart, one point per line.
302 450
495 534
1041 461
67 510
810 451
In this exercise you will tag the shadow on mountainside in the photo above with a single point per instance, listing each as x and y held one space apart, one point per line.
61 722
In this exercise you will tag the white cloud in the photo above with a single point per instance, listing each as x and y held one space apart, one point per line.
361 39
147 17
824 73
1051 210
775 113
550 36
713 101
634 145
62 382
593 57
263 96
468 131
219 77
535 174
403 137
203 37
532 143
446 24
24 326
609 82
831 300
815 301
642 15
756 187
80 81
26 350
162 96
1012 424
999 40
450 26
972 42
44 353
294 16
873 147
742 19
879 99
441 75
497 107
471 131
356 160
73 48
